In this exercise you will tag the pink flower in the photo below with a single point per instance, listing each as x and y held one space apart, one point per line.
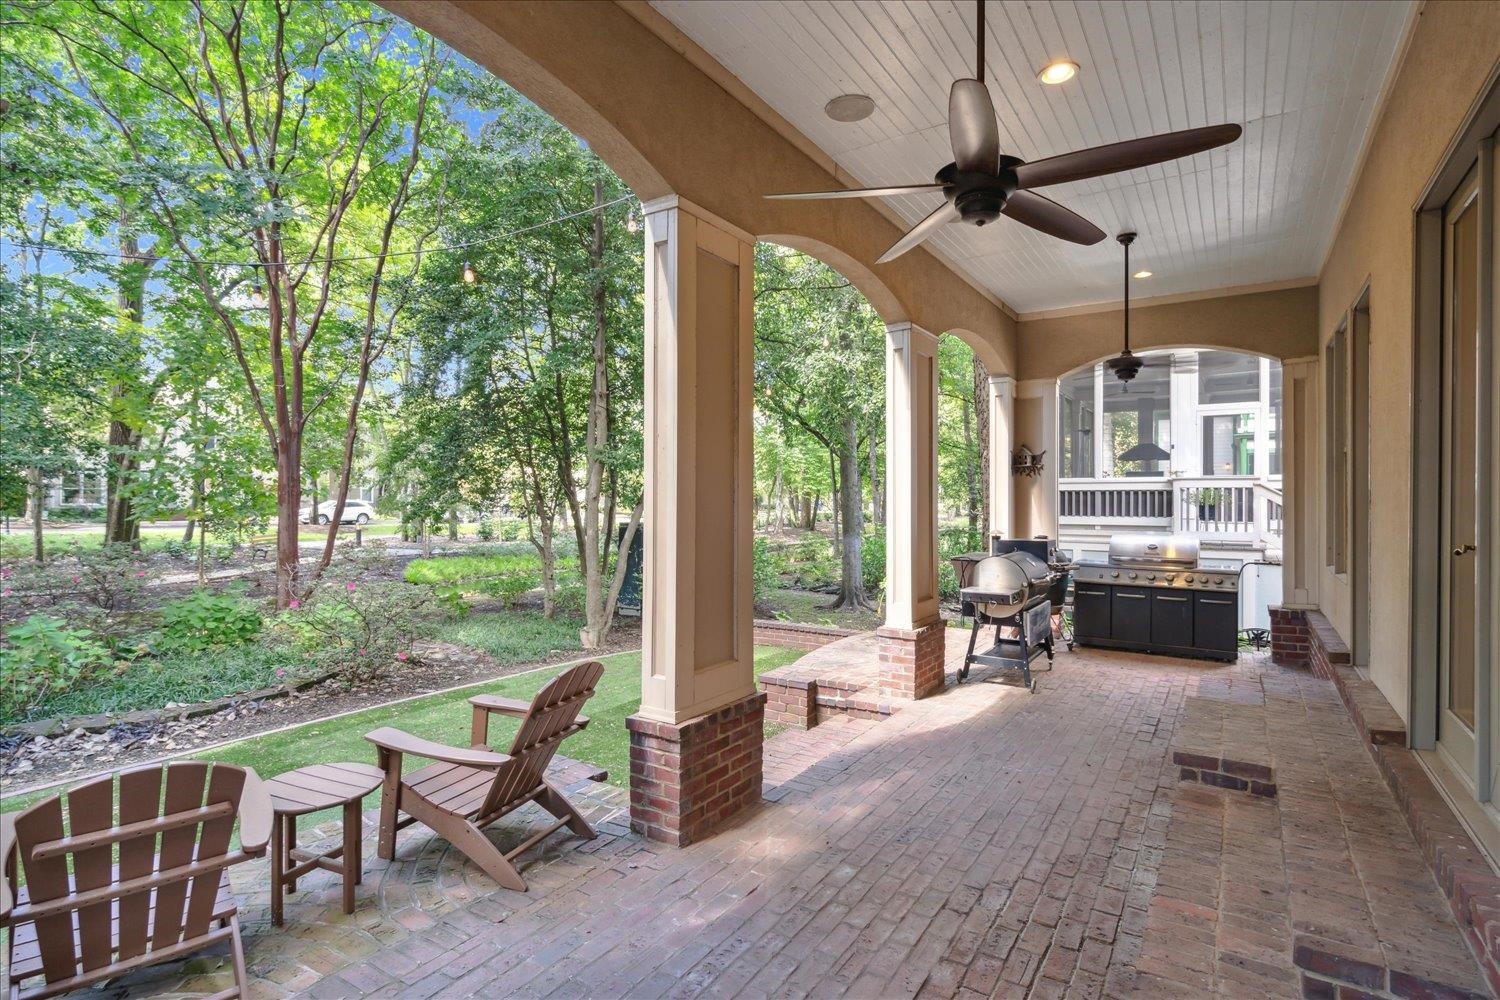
294 604
140 575
401 657
281 673
349 586
4 572
6 592
75 579
364 652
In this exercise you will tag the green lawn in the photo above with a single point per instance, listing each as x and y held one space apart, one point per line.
445 718
512 636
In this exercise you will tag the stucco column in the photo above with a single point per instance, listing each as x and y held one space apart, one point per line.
1300 553
1002 400
1036 428
911 643
699 711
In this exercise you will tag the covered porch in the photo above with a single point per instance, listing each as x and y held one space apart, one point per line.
980 842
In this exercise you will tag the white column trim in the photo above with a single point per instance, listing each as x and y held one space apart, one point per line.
911 398
1301 481
1001 485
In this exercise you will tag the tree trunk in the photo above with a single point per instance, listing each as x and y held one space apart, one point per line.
852 581
597 607
833 477
288 505
971 473
187 533
426 536
453 524
877 491
38 501
548 553
124 441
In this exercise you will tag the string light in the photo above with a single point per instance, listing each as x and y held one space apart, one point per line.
257 296
469 276
631 226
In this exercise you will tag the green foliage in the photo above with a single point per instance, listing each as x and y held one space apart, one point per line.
359 631
874 559
204 620
486 530
514 636
43 657
765 568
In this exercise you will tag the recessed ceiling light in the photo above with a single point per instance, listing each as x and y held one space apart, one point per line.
1141 274
1058 71
850 108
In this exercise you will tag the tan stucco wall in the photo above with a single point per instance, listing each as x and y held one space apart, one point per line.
1452 53
1281 323
666 127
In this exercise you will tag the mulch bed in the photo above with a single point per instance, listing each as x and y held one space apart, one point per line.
26 763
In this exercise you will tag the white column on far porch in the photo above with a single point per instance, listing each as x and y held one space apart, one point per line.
1187 446
1002 400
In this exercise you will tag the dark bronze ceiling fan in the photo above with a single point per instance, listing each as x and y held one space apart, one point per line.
980 185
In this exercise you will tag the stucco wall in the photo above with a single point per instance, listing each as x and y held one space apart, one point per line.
1281 323
1452 53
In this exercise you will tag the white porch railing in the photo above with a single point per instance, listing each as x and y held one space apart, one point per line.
1236 509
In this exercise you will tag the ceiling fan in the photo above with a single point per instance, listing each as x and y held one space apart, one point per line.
980 185
1127 365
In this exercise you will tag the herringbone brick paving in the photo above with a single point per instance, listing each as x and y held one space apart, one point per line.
984 842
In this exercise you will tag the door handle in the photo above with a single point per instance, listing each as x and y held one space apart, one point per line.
1463 550
1178 600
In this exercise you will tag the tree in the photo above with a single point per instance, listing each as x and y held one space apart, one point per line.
820 368
292 136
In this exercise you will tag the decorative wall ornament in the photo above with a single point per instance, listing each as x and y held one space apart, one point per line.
1027 462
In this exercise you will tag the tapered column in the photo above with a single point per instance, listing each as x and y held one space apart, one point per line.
1300 515
1036 428
1002 403
911 643
695 744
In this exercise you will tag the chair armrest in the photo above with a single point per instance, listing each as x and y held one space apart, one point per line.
400 742
504 706
7 849
256 814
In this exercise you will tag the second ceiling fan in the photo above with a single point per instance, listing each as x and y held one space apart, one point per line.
981 185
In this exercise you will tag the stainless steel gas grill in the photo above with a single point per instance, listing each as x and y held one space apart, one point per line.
1009 590
1151 595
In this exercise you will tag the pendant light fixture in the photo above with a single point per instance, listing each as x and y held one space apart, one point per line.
1127 365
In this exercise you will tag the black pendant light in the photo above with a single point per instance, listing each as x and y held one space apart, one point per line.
1146 451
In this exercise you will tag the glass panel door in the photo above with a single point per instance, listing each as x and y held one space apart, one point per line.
1462 465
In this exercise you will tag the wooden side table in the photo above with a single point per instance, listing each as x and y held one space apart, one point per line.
307 790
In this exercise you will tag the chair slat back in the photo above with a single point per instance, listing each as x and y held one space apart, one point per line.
117 929
553 715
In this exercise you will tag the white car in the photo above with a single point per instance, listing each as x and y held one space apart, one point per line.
359 512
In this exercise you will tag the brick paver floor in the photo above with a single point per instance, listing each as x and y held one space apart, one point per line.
984 842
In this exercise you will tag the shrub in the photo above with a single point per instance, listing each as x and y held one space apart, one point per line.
872 557
359 631
568 600
42 657
110 579
508 589
486 530
764 565
205 620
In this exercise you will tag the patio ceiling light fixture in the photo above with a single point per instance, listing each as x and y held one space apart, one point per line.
469 276
1146 451
1141 274
1058 71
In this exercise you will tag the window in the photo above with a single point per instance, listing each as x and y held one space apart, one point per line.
1076 395
1228 377
1274 455
1229 444
1335 451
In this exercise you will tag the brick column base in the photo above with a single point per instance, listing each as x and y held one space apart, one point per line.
911 660
687 779
1289 637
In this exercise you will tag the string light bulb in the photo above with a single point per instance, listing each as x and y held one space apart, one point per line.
469 274
631 225
257 296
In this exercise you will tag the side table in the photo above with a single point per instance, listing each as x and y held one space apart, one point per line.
307 790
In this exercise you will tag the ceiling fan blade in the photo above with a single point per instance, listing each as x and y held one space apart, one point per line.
880 192
1127 155
1049 217
972 130
940 216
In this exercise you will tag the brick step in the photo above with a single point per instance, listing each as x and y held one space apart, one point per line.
1327 975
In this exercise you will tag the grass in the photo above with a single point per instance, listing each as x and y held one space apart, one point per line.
496 561
513 636
445 718
809 608
183 677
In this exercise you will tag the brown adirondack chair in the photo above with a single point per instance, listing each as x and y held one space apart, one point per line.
102 898
469 789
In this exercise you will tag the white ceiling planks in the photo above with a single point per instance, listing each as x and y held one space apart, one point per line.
1302 76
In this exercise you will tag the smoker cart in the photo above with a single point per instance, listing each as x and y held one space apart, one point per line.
1009 591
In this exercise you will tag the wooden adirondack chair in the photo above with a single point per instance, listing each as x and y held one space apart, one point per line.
469 789
101 897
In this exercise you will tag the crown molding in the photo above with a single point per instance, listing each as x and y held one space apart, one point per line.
1166 300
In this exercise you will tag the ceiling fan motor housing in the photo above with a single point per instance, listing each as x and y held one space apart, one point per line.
978 196
1125 366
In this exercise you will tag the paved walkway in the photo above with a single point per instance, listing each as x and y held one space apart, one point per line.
985 842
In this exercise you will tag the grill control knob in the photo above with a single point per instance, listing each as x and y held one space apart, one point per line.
1115 574
1132 576
1218 581
1187 579
1171 578
1151 576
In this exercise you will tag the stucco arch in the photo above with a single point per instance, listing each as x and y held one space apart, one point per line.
640 96
1168 347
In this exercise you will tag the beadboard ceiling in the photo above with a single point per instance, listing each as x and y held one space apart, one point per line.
1302 76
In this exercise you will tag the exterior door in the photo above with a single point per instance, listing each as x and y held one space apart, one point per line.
1463 501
